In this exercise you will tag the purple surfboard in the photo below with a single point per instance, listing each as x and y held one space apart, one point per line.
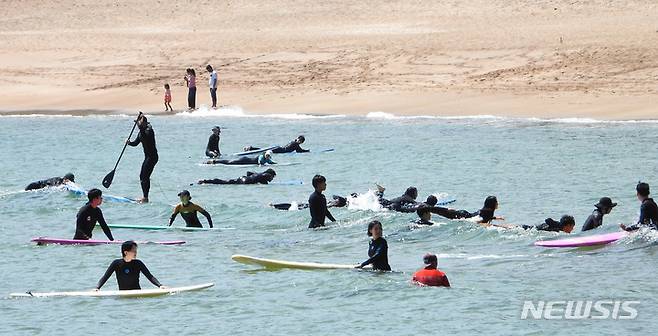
60 241
600 239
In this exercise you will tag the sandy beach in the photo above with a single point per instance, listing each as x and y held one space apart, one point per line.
550 59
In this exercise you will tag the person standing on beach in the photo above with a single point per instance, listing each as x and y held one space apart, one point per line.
212 83
190 81
146 137
317 203
167 98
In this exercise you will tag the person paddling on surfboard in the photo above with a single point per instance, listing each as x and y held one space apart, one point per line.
603 208
261 160
648 210
486 213
293 146
566 224
89 215
127 269
188 211
212 149
51 182
336 202
377 248
146 137
317 203
251 178
430 275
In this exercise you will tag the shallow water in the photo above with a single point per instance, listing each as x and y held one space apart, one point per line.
537 168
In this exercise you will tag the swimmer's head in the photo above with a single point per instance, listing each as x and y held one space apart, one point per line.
642 189
411 192
431 260
319 182
95 196
431 200
375 229
184 196
490 203
129 247
568 223
216 130
300 139
268 154
424 213
69 177
270 171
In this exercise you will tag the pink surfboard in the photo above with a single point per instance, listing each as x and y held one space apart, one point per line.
600 239
60 241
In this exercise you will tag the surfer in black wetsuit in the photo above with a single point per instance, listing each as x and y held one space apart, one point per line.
424 216
486 213
212 149
404 203
377 248
89 215
127 269
566 224
336 202
595 220
51 182
293 146
146 137
188 211
260 160
251 178
648 210
317 203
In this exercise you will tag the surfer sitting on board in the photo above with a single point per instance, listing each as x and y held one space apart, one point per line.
595 220
89 215
317 203
51 182
212 149
486 213
648 210
293 146
566 224
377 248
127 269
260 160
430 275
188 211
251 178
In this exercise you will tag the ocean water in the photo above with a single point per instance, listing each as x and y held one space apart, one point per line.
536 168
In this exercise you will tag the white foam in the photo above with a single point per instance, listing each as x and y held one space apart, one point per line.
224 111
367 201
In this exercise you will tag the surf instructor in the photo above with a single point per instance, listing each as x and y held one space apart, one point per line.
146 137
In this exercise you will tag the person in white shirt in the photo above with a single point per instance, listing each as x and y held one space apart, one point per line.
212 83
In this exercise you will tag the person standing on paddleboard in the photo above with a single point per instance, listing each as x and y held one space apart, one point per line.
89 215
431 275
188 211
377 248
146 137
51 182
317 203
603 208
127 269
212 148
648 210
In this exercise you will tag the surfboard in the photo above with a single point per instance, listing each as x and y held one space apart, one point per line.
283 164
156 227
61 241
255 151
118 293
290 182
77 190
594 240
446 201
272 263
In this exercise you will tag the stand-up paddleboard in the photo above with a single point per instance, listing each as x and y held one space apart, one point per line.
272 263
156 227
118 293
255 151
61 241
600 239
76 190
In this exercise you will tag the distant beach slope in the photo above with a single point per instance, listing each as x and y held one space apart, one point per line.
525 58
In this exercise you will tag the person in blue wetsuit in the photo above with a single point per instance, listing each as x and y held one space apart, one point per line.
595 220
377 248
127 269
317 203
486 213
51 182
251 178
648 210
260 160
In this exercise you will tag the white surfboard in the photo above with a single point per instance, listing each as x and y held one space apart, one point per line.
118 293
272 263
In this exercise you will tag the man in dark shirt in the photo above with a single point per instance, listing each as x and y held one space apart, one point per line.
317 203
89 215
648 210
212 149
595 220
146 137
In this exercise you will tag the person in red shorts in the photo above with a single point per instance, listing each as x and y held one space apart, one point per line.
430 275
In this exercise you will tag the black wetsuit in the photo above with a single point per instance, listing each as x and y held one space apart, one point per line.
86 221
337 202
127 274
549 225
648 216
378 253
188 212
486 214
317 205
146 137
250 178
289 148
594 220
51 182
213 146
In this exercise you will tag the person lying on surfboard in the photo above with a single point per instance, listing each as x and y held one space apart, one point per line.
317 203
486 213
188 211
127 269
260 160
648 210
405 203
377 248
603 208
430 275
89 215
293 146
336 202
51 182
251 178
566 224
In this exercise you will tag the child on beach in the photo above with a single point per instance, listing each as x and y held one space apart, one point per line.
167 98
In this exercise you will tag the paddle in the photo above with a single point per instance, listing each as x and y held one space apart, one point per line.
107 181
